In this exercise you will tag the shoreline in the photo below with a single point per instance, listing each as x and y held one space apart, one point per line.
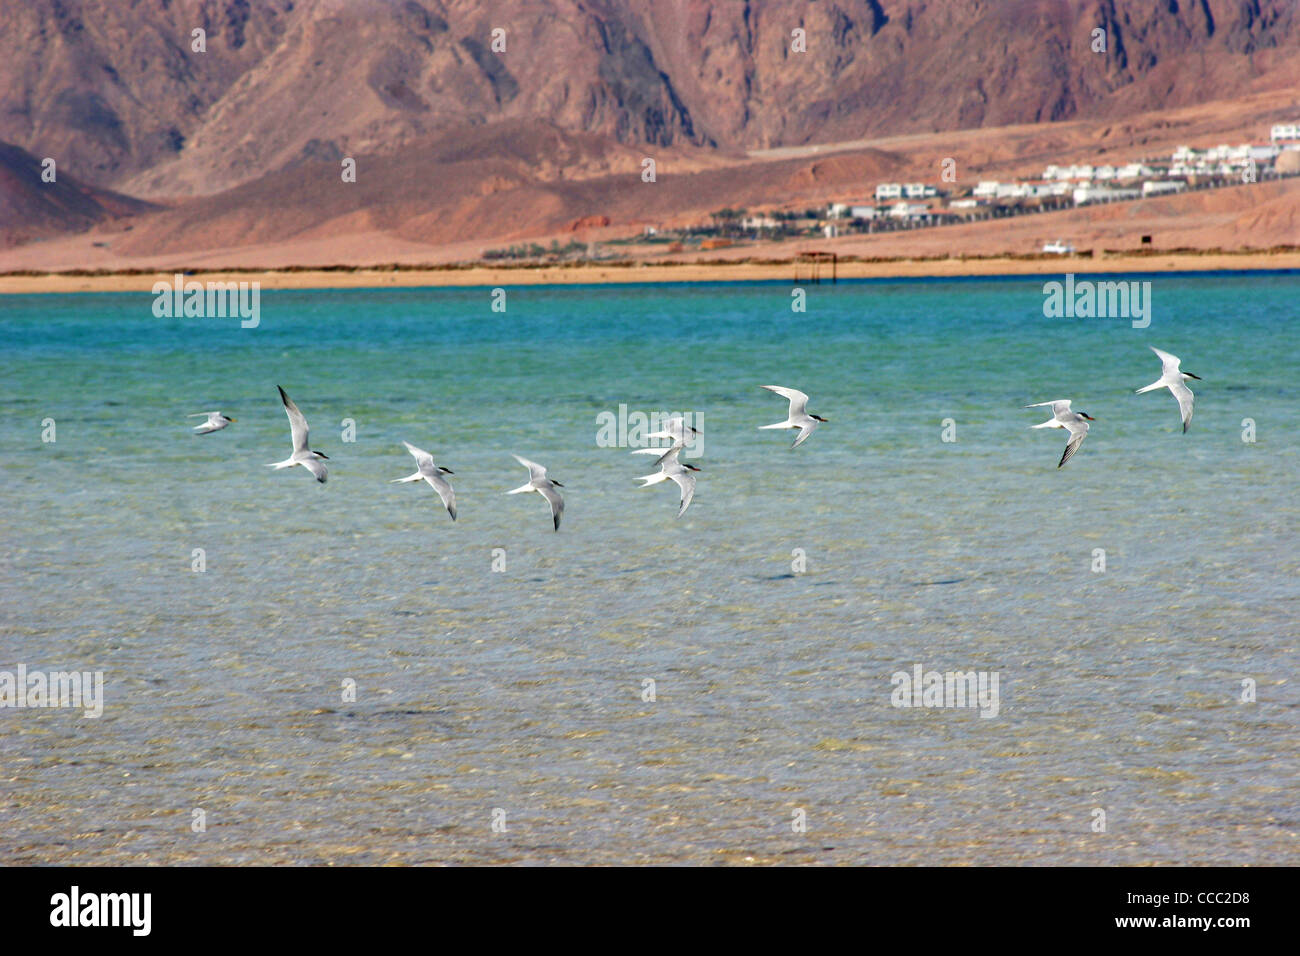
347 277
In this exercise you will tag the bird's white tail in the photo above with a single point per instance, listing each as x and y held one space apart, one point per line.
653 479
1151 388
415 477
777 425
520 490
277 465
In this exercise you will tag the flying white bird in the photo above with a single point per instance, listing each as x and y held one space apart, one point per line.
799 417
1172 378
432 473
671 468
215 422
302 455
677 431
538 482
1076 423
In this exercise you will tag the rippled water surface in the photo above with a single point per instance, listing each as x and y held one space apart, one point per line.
523 689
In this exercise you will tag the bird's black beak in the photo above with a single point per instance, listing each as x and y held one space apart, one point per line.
556 483
819 418
323 455
1197 377
691 467
446 471
1087 416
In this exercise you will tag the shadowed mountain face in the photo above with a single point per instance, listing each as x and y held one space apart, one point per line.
32 208
507 181
116 91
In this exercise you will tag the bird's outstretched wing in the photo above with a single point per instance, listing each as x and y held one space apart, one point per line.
1185 400
557 502
445 492
1078 432
535 471
798 400
667 457
1057 405
297 423
686 481
806 429
1168 363
423 460
317 468
674 428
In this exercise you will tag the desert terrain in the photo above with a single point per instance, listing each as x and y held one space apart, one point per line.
460 151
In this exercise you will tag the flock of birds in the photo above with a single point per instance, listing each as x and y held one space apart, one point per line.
678 432
1076 423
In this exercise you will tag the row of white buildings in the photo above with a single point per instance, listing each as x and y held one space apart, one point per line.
1089 172
1087 183
886 191
1222 160
899 210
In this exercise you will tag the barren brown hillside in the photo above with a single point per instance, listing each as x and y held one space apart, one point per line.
115 90
460 148
31 208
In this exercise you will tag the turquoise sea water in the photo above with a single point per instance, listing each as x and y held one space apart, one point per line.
522 690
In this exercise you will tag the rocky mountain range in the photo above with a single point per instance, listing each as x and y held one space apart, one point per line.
450 105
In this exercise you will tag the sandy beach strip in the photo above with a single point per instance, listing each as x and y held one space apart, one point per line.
738 271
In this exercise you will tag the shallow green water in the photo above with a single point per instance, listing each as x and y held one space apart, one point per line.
522 689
